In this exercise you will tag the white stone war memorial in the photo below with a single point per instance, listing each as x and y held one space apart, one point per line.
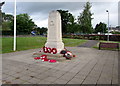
54 46
54 37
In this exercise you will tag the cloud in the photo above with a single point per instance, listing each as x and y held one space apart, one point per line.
39 11
8 7
119 13
100 14
45 7
61 0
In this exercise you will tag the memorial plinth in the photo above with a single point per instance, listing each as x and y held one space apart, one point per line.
54 47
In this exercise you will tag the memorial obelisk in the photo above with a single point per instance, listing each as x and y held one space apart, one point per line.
54 34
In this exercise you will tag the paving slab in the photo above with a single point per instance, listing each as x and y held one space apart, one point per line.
90 66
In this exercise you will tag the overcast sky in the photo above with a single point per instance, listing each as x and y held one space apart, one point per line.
39 11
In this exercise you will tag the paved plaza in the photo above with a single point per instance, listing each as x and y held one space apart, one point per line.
90 66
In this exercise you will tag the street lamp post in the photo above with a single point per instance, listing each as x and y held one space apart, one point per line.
108 25
14 45
1 4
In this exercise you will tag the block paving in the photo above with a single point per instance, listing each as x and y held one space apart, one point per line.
90 66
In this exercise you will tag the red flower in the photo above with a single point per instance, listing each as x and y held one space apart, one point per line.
52 61
38 57
35 58
43 56
45 59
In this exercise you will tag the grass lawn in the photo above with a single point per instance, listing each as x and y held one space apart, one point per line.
24 43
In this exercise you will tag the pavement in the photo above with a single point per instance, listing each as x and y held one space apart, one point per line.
90 66
89 43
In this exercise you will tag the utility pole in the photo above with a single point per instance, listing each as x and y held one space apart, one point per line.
14 46
108 25
1 4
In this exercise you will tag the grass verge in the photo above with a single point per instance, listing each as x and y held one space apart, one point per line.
25 43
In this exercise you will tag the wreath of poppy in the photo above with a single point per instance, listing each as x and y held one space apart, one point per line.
49 50
54 50
68 55
63 52
45 49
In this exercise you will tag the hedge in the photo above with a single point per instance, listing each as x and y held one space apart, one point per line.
94 37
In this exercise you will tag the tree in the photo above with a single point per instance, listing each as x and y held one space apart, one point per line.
85 18
6 26
68 21
115 32
117 26
41 31
101 27
7 17
6 21
24 24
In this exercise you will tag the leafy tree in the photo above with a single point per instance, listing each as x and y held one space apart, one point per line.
67 21
41 31
24 23
117 26
6 26
101 27
7 17
37 29
115 32
85 18
71 26
6 21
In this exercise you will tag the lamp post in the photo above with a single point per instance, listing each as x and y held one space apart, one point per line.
108 25
1 4
14 44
